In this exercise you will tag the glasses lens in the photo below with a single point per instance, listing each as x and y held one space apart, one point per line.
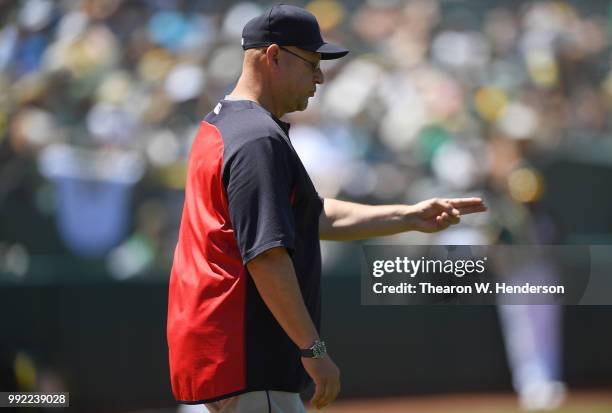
314 66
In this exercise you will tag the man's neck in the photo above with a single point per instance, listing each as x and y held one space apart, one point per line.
246 90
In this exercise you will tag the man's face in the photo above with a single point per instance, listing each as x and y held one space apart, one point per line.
303 74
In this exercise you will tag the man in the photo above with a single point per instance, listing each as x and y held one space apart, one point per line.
244 300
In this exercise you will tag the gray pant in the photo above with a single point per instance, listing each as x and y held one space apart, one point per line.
266 401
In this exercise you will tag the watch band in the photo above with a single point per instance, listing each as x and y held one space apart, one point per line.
317 351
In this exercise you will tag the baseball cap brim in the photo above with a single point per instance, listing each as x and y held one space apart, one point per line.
328 51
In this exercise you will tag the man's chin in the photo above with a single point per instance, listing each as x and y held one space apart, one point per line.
300 106
303 105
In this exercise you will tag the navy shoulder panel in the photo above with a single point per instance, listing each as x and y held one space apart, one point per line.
242 121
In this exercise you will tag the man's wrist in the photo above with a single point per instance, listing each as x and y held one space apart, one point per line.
317 350
308 342
408 216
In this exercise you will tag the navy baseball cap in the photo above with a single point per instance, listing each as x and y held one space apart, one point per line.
287 25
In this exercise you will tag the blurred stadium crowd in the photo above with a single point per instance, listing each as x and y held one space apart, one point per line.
100 101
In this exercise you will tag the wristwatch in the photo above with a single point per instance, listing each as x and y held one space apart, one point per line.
316 351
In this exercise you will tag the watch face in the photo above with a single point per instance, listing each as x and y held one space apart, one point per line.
319 350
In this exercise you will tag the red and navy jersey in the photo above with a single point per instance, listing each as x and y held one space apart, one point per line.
246 192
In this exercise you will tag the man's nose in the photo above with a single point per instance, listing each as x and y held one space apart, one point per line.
319 78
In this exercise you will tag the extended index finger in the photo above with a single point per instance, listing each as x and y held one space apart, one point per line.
460 202
468 205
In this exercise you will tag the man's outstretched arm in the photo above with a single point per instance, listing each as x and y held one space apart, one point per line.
343 221
276 282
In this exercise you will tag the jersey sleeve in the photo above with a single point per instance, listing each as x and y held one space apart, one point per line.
258 186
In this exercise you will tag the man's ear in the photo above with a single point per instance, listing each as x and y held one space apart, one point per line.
272 54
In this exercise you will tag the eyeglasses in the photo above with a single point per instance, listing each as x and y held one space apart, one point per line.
314 66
